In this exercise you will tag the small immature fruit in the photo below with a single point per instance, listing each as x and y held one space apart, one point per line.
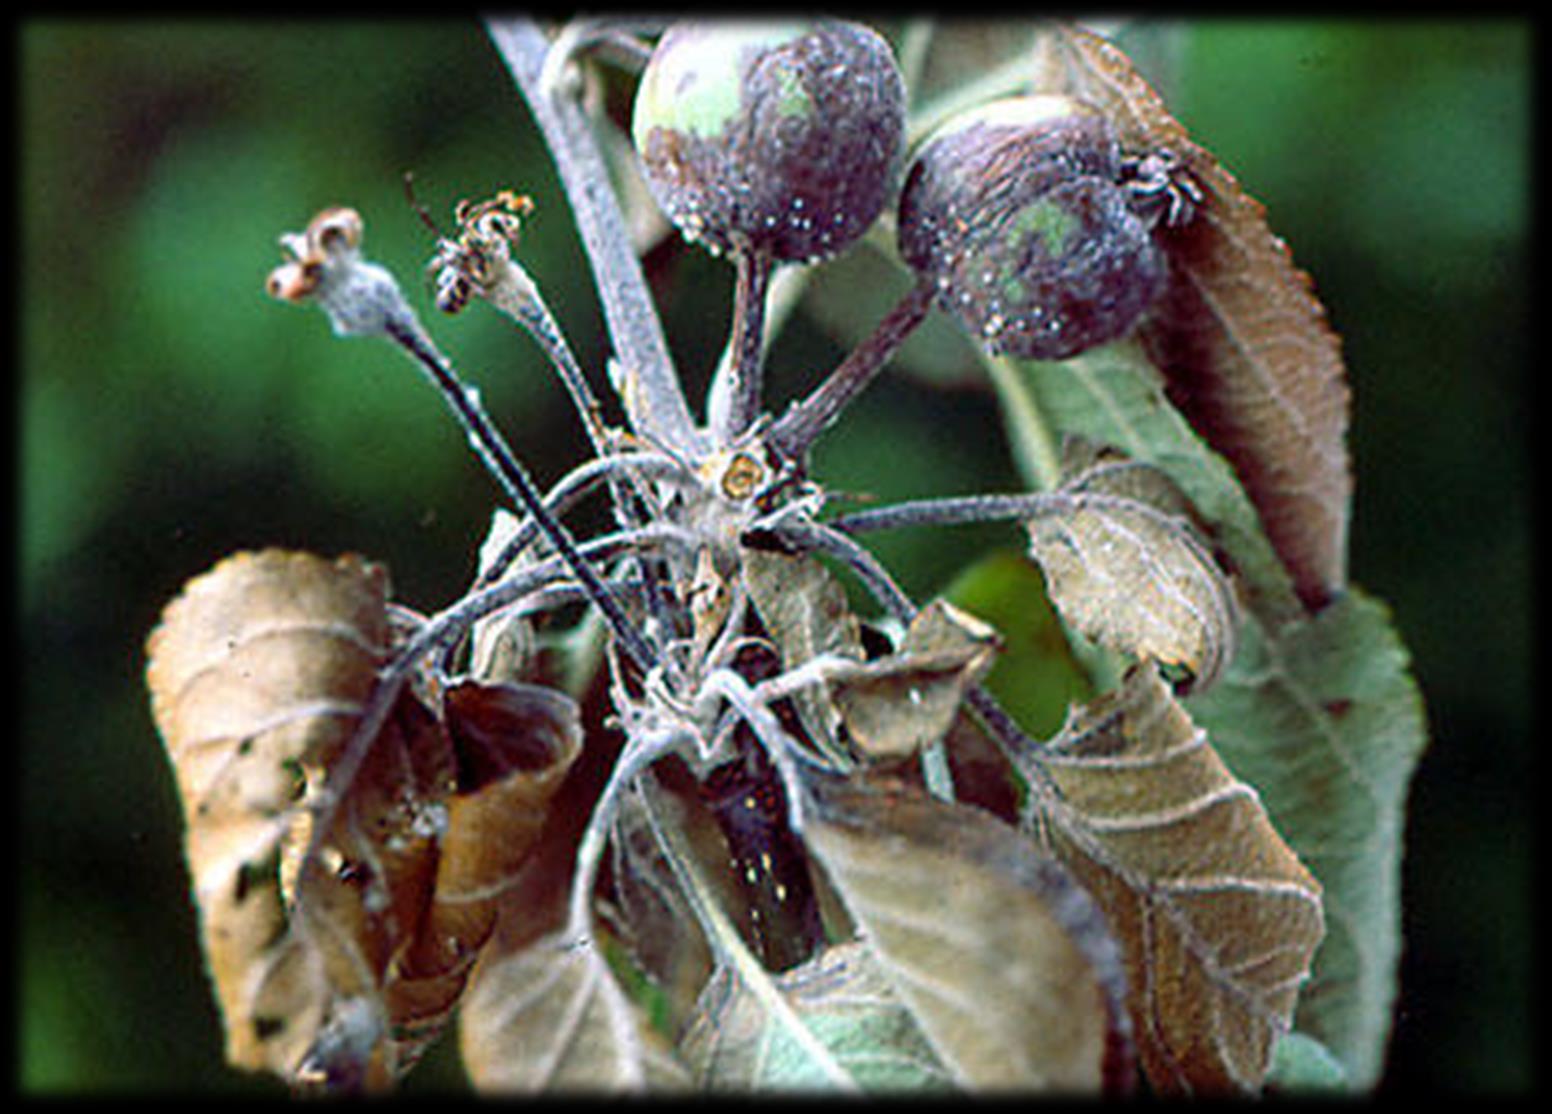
1017 212
775 137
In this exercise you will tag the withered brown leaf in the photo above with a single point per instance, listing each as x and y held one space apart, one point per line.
513 745
1245 346
258 673
1002 959
359 898
1216 916
1125 566
907 700
337 955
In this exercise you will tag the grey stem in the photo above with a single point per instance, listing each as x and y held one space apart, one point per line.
806 535
633 323
533 313
566 493
736 401
502 463
801 425
953 511
439 630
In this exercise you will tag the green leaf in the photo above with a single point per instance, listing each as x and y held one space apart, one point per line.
844 999
1302 1063
1324 718
1035 676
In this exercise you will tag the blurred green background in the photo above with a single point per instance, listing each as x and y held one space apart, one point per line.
170 413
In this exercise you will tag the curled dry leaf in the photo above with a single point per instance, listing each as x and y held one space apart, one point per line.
359 898
338 955
1244 344
848 1005
513 745
901 703
891 707
258 672
1125 566
1004 962
1217 917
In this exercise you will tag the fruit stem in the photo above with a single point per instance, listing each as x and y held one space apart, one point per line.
796 430
951 511
517 295
735 393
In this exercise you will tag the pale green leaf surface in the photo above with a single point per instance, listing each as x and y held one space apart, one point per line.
1302 1063
844 999
1326 721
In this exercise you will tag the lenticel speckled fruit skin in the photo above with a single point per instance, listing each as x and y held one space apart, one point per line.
781 137
1013 210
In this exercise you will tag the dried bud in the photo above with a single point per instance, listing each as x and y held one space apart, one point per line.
361 298
1017 212
780 137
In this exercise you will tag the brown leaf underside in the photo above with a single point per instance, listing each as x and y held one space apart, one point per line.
1003 961
1245 346
1125 565
1216 916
